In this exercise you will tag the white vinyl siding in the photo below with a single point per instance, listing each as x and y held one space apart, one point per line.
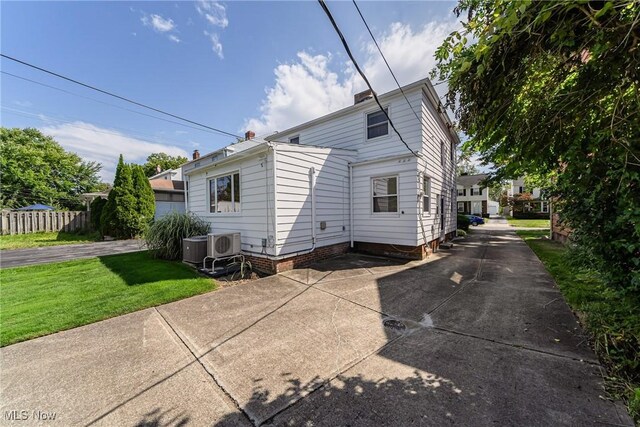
294 164
256 191
349 131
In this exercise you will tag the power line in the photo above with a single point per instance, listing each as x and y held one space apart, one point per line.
364 77
117 96
48 119
385 59
103 102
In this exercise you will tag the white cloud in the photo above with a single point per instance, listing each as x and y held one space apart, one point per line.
23 103
158 23
174 38
94 143
310 87
216 46
216 15
214 12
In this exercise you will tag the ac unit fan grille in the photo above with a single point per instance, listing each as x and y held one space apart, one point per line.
223 244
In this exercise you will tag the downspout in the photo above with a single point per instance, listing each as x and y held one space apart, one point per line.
351 204
275 199
186 194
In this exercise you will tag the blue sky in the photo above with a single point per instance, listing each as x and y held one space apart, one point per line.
235 66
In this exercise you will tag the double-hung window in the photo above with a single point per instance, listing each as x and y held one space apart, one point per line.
462 192
377 124
224 193
385 194
426 197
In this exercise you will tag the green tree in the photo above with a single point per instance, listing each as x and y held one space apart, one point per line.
553 88
146 202
36 169
163 160
96 208
120 217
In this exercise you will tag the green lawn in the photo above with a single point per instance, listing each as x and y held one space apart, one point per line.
42 299
32 240
532 223
612 319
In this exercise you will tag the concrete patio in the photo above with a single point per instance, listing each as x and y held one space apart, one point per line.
466 337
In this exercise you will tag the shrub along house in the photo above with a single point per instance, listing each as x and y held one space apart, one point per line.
339 181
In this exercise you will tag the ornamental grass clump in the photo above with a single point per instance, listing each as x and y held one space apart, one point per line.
164 236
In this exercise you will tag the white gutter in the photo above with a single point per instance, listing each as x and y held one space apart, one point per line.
351 205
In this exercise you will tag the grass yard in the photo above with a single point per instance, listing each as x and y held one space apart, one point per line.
33 240
39 300
612 319
529 223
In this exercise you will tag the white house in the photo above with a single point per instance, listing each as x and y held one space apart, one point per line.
473 197
168 189
342 180
534 204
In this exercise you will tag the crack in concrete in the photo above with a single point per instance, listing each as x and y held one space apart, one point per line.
213 377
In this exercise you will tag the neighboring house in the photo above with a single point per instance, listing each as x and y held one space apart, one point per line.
473 198
526 202
341 180
169 174
169 192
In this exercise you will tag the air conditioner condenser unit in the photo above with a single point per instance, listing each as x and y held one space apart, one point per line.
194 249
223 245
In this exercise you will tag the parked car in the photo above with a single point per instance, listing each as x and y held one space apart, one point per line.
475 220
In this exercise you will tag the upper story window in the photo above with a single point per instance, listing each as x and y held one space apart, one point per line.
377 124
385 194
426 197
224 193
453 152
476 191
442 153
521 189
295 140
462 192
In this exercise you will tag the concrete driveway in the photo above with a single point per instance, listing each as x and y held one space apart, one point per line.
477 335
48 254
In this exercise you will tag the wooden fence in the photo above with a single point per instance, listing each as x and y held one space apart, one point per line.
24 222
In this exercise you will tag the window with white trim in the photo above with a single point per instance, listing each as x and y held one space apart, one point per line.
462 192
545 207
453 198
453 152
224 193
460 206
294 140
442 152
377 124
426 197
384 192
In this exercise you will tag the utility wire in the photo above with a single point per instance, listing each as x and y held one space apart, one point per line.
103 102
118 96
364 77
385 59
74 124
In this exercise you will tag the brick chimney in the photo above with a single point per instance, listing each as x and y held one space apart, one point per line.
249 135
362 96
196 154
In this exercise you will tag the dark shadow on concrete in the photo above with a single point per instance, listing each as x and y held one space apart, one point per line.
157 418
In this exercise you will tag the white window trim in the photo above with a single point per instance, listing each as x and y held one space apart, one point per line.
221 214
397 195
366 126
460 210
428 211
